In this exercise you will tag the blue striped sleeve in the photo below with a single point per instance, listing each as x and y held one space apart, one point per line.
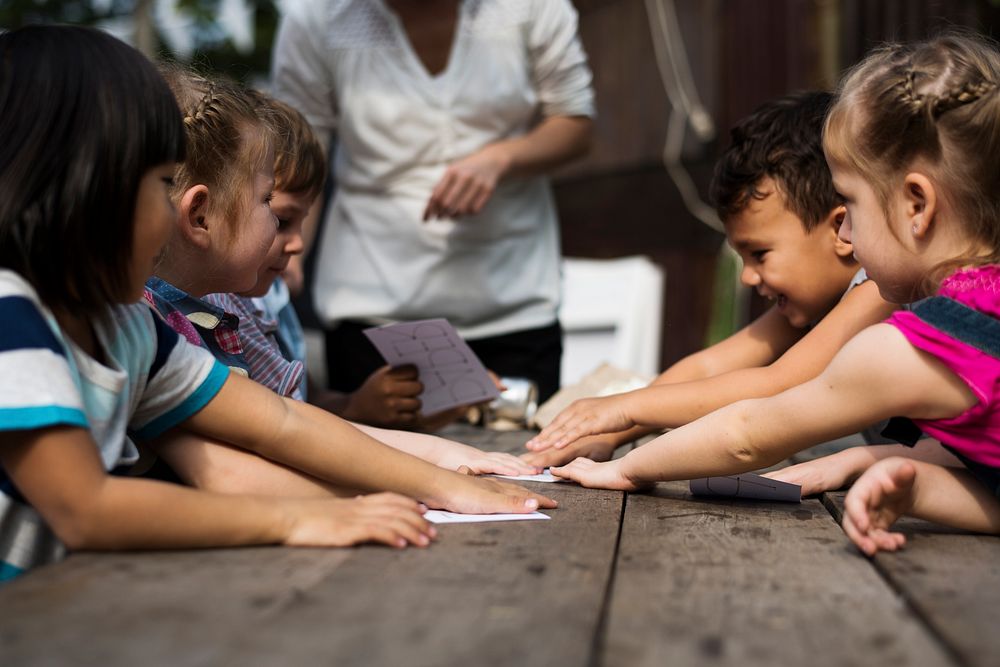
24 327
166 338
195 401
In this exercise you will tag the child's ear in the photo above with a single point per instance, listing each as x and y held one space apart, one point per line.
835 220
193 215
919 204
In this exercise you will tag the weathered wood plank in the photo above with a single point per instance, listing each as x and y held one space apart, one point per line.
952 579
488 594
157 608
494 594
733 583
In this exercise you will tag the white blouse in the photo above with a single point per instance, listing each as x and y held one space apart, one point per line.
348 66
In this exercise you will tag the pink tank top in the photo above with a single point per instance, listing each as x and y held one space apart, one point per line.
976 432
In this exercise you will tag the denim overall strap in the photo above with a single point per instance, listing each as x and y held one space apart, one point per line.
961 323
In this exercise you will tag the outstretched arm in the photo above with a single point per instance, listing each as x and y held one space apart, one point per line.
897 486
59 472
838 470
311 440
877 374
676 404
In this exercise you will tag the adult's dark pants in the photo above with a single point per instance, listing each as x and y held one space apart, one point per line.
532 353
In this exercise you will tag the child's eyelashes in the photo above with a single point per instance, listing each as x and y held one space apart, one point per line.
169 180
758 255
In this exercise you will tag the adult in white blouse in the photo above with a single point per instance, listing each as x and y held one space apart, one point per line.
447 115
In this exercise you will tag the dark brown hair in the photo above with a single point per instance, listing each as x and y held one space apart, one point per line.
783 140
83 118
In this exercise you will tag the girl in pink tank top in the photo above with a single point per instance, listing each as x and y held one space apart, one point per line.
913 143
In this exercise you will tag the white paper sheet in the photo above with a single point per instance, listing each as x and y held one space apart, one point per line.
441 516
544 476
748 485
451 373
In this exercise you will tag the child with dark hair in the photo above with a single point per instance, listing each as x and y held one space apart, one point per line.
92 138
913 145
774 193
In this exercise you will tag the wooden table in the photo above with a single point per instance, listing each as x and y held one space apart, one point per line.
643 579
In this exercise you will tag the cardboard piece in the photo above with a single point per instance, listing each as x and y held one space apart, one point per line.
749 486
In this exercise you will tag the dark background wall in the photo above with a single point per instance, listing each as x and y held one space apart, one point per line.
620 200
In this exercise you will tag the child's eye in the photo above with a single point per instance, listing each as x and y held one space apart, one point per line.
283 223
269 198
758 255
169 180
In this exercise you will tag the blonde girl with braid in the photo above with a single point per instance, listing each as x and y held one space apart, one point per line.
913 142
223 236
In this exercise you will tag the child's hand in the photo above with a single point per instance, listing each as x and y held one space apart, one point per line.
485 495
595 448
879 497
388 398
597 475
587 416
825 474
388 518
483 463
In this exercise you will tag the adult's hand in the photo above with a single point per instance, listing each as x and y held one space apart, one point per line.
468 184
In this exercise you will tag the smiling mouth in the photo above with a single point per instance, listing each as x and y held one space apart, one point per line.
780 300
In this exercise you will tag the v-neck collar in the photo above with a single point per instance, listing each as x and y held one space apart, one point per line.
411 54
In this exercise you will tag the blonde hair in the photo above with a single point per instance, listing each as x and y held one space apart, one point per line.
227 140
936 101
299 159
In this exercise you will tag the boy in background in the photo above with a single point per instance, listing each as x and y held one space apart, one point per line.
774 193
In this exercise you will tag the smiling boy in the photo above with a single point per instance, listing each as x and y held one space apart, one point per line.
774 193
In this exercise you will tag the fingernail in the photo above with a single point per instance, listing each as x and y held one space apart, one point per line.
424 540
401 543
531 503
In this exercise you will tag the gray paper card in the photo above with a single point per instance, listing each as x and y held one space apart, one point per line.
450 371
748 485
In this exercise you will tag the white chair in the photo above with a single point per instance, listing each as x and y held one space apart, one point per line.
611 312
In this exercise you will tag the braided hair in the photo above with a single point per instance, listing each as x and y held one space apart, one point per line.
936 102
227 139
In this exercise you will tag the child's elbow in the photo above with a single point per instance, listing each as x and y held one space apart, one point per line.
742 449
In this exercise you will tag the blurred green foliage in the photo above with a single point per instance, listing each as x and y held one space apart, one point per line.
214 51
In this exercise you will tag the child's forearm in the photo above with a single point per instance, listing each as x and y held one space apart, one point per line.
327 447
673 405
430 448
719 445
953 497
135 513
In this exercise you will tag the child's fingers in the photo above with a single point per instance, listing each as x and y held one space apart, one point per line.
514 465
885 540
860 540
397 404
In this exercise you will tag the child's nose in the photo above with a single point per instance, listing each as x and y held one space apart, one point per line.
295 245
749 277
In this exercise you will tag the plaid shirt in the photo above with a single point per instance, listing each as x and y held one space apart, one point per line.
201 323
258 338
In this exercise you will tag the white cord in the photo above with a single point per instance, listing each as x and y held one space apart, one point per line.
684 104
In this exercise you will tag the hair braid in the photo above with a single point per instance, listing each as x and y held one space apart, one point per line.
965 94
912 101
